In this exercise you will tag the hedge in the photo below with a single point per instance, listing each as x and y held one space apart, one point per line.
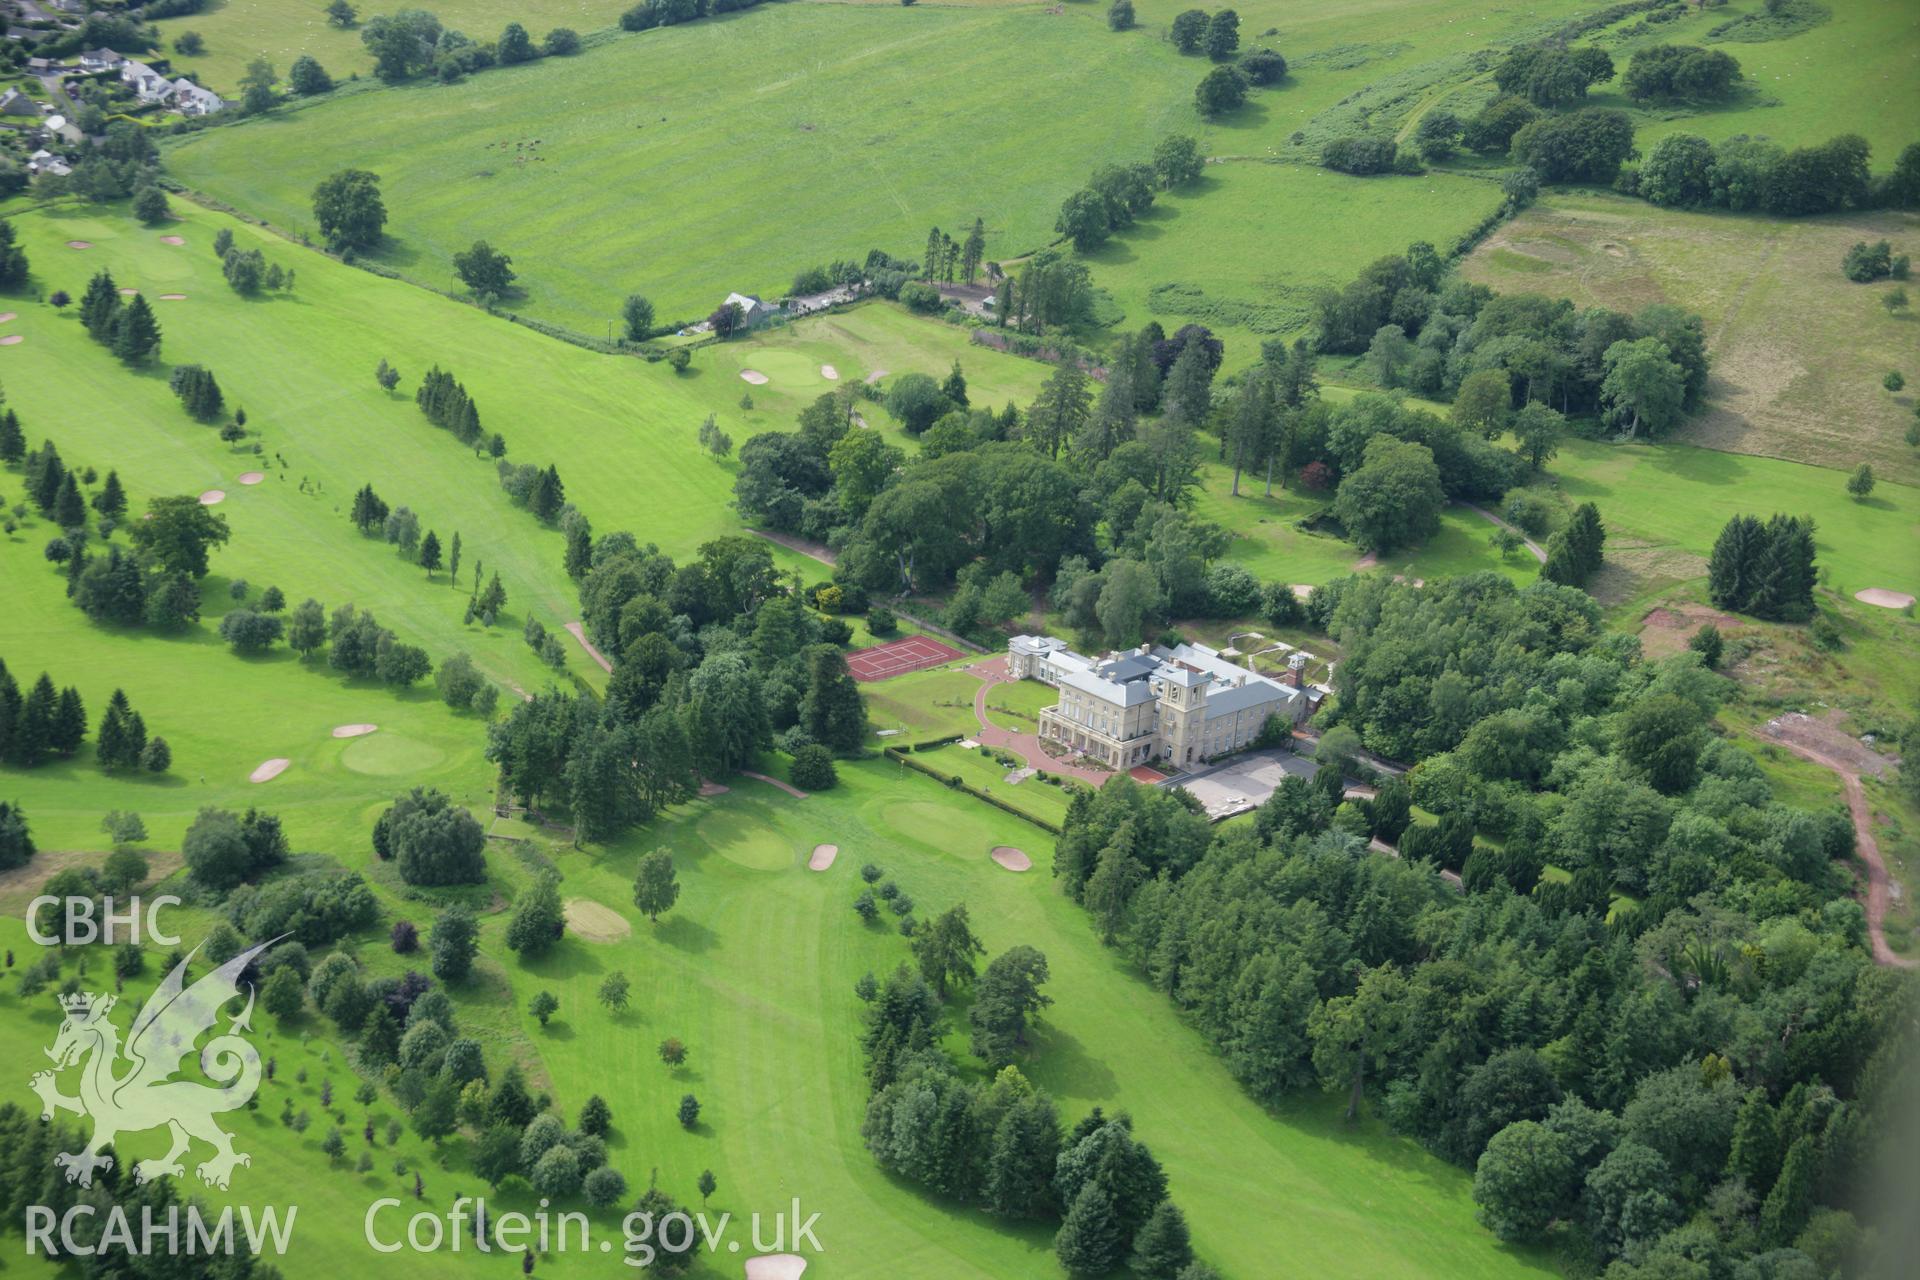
957 783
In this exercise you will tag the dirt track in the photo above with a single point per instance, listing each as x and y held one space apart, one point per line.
1879 884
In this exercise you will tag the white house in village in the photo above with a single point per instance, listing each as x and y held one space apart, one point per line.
189 99
147 84
1154 705
101 59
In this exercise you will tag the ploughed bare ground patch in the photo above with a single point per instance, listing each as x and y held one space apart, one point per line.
1666 628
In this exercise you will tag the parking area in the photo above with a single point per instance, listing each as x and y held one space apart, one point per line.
1243 783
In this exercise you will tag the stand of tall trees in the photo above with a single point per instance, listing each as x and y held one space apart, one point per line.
1621 1048
1764 569
711 660
999 1145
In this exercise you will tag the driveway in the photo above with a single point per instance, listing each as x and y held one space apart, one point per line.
992 672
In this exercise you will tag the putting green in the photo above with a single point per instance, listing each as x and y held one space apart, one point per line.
741 837
790 370
390 754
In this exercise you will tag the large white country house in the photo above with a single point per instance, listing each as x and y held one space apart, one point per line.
1154 705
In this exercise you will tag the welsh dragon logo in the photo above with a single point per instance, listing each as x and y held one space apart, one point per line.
145 1096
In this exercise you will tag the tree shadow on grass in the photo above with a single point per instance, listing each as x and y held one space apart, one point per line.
1063 1064
683 933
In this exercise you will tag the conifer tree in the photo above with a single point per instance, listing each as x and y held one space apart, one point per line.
1090 1241
136 334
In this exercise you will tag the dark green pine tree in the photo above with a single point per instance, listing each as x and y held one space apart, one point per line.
110 743
932 263
831 708
579 551
1563 562
136 738
111 501
1784 571
1785 1210
13 259
466 423
973 252
1019 1181
13 441
69 508
1162 1248
430 552
1089 1242
45 474
36 720
100 308
1755 1157
548 495
136 334
69 722
368 510
9 714
1732 567
1587 536
955 387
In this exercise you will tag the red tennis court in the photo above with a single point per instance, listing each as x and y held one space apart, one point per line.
897 657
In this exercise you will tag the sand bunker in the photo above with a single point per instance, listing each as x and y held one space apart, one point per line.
823 856
1011 858
79 244
593 922
173 240
129 292
173 297
830 373
11 340
8 315
212 496
754 376
1884 598
776 1266
252 477
269 770
353 730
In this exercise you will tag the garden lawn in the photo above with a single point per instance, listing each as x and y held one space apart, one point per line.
625 171
1017 706
929 704
1031 796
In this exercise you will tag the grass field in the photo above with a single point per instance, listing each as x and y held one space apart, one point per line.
833 138
288 1168
621 431
1245 249
1799 351
754 970
237 31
